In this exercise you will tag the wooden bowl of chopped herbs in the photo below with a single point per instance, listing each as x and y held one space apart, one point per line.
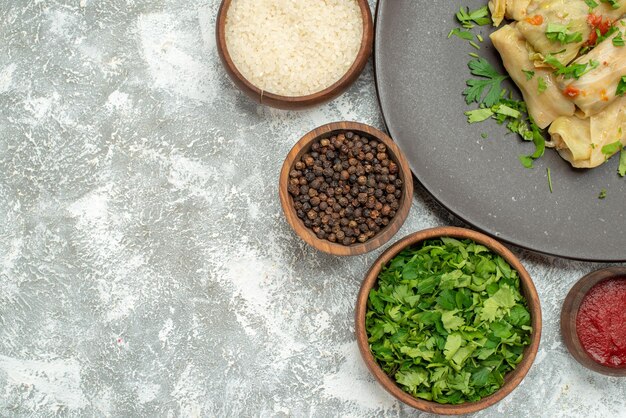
448 321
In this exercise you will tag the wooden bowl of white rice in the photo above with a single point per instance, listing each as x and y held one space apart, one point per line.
292 54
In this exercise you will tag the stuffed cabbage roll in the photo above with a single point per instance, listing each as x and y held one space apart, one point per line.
568 17
571 137
543 98
580 141
597 88
511 9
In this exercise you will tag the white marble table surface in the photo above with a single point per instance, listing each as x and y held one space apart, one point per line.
146 268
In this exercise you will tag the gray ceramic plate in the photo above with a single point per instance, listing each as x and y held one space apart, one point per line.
420 75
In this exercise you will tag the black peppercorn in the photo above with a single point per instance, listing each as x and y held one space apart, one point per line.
294 190
345 188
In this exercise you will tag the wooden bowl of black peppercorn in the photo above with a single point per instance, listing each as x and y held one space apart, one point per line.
345 188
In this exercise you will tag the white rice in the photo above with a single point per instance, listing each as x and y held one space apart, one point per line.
293 47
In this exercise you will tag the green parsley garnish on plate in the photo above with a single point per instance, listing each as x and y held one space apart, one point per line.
495 102
468 18
558 32
488 85
570 71
447 320
549 179
609 149
462 34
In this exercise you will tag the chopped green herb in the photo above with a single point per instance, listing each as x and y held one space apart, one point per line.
526 161
592 4
460 33
479 16
474 44
573 70
621 86
612 148
479 37
558 32
549 179
529 74
602 194
618 40
520 126
622 163
553 61
600 37
497 110
478 115
505 110
473 55
614 3
540 146
541 85
484 135
447 320
489 86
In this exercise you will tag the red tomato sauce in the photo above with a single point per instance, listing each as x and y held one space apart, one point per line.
601 322
596 22
571 91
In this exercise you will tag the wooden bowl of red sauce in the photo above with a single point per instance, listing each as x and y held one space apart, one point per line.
593 321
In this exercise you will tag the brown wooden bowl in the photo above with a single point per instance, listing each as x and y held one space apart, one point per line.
511 380
568 319
296 102
303 146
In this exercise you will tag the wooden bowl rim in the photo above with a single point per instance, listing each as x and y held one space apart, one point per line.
296 102
512 379
569 311
384 234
